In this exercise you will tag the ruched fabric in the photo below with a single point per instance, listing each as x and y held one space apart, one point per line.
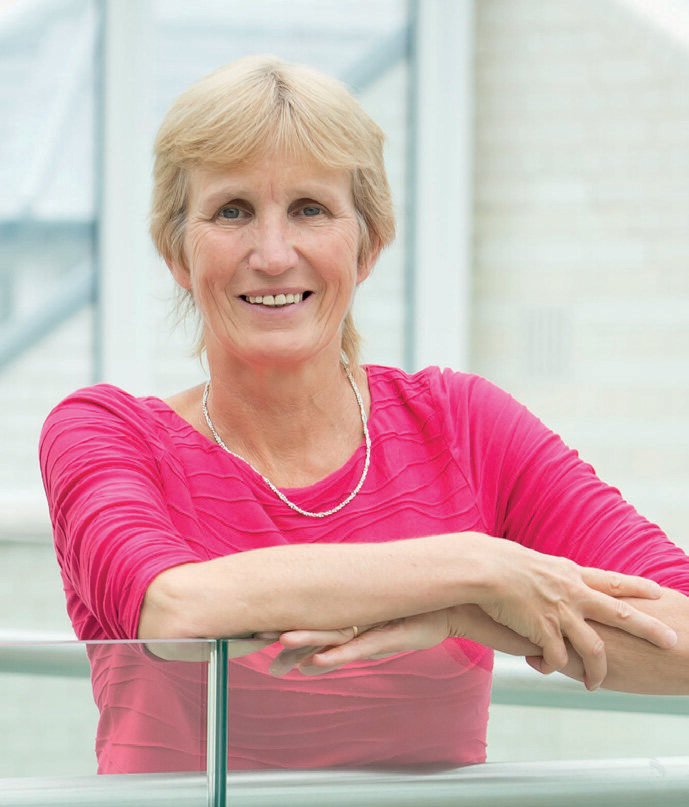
133 490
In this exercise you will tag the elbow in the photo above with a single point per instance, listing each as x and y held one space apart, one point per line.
168 609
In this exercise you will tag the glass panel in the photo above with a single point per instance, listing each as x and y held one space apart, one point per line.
533 733
153 714
535 717
427 710
418 711
149 714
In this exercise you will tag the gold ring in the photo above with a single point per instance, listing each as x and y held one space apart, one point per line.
356 631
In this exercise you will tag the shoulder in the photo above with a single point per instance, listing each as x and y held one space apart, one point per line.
103 410
104 430
437 387
98 402
470 413
96 395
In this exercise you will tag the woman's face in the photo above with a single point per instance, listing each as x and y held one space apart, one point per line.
271 253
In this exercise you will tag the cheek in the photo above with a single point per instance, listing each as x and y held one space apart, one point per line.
203 269
207 257
344 253
353 241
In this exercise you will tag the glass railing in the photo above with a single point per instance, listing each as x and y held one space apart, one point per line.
168 716
76 708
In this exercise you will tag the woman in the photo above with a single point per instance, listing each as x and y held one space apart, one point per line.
399 525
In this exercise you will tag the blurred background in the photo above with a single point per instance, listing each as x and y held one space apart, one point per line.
539 157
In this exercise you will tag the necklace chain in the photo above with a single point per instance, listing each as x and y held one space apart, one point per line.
280 494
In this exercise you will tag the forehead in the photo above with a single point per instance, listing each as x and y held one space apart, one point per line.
275 175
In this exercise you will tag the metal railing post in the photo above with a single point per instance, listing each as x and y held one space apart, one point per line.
216 748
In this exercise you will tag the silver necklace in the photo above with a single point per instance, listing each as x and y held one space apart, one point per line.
278 493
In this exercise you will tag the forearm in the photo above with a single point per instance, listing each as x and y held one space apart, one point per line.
317 651
634 665
471 622
638 666
320 586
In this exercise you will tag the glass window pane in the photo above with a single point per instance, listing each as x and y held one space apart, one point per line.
48 80
149 714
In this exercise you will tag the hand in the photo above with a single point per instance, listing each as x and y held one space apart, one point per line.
549 599
314 652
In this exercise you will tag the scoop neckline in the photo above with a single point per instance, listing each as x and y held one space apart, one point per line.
329 479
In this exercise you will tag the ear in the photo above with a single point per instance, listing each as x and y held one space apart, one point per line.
366 264
180 273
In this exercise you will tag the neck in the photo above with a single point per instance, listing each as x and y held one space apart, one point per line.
294 425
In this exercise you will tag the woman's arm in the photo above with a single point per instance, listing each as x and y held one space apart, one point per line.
633 665
324 587
537 492
312 586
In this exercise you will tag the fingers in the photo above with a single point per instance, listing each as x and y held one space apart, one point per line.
290 658
536 662
620 614
342 647
302 638
616 584
588 644
603 603
301 645
555 655
371 644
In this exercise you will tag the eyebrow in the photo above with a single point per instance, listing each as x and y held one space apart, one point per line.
221 194
227 190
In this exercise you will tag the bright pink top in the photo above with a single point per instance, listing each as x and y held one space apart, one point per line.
134 489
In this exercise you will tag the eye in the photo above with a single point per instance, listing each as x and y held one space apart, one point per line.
308 208
231 213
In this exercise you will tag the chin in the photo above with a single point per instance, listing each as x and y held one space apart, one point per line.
285 357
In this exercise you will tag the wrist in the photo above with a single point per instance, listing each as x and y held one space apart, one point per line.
478 568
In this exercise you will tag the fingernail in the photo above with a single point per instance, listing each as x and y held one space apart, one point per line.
276 672
279 668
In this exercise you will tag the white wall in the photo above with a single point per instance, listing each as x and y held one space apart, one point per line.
581 279
581 243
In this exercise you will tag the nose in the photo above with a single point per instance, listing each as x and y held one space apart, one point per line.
273 250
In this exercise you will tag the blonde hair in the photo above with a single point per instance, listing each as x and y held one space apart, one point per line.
260 105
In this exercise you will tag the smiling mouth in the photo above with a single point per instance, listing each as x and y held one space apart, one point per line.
276 300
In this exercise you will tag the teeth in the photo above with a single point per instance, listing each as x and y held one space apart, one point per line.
276 300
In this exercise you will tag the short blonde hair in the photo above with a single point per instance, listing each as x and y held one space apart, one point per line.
260 105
